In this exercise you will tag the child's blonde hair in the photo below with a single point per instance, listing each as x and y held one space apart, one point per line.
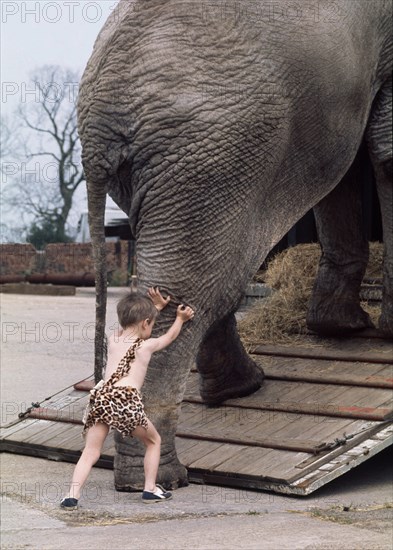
135 307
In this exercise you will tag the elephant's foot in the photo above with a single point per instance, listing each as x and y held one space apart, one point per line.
335 306
215 391
129 474
333 319
129 470
225 368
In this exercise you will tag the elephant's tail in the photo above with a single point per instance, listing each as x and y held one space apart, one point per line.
96 199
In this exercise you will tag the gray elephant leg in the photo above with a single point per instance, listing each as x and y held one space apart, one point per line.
162 409
335 303
379 137
226 369
128 464
163 392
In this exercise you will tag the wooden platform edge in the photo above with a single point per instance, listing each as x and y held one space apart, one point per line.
307 484
302 486
345 462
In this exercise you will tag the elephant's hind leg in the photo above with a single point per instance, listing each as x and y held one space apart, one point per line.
379 138
335 303
226 369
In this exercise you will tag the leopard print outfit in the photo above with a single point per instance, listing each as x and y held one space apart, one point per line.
118 407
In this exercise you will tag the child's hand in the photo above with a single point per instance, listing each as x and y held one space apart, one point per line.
156 297
185 313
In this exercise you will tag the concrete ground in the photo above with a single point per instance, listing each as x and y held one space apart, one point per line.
47 345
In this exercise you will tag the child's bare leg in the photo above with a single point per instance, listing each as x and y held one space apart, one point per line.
95 438
152 441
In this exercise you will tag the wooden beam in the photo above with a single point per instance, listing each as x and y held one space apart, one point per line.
286 444
369 353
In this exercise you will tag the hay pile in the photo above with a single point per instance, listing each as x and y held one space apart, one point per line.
375 262
282 317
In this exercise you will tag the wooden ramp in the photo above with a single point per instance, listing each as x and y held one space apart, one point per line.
321 412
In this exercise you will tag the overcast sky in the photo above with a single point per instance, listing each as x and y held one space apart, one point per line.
45 32
36 33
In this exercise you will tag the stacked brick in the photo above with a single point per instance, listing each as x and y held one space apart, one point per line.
17 259
61 262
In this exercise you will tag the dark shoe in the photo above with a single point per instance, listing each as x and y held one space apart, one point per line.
69 503
159 495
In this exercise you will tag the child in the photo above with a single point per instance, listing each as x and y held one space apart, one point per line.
116 402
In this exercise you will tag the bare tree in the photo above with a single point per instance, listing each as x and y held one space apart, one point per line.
9 144
49 169
10 149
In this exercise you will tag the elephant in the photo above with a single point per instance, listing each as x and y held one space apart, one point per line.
216 126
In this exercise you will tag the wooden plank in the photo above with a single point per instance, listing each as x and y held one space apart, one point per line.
8 431
279 465
326 431
218 453
227 436
359 402
213 418
198 451
78 408
247 460
261 463
299 394
30 428
41 436
366 350
183 445
48 434
305 427
39 432
78 403
272 423
327 434
243 420
323 399
65 434
184 449
63 402
292 431
374 375
70 440
302 487
195 413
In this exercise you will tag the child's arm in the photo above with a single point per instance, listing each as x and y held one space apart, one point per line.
158 300
183 314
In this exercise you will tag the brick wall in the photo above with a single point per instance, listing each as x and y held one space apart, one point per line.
17 259
62 258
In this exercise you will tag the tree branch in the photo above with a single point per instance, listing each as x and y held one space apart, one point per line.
54 120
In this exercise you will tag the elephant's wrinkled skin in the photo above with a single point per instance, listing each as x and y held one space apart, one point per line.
216 126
